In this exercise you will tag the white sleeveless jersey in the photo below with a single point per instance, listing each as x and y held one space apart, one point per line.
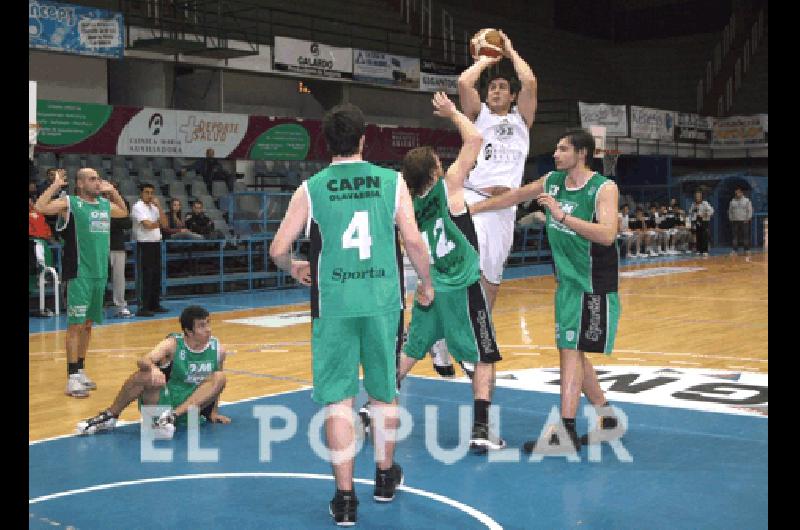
506 141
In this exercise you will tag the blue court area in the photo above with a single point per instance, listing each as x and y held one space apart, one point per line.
690 469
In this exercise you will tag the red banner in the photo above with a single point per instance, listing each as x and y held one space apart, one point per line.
381 143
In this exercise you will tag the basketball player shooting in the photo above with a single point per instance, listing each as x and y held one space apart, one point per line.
504 119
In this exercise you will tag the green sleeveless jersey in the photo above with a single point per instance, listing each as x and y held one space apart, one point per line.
353 252
190 368
86 239
455 262
579 262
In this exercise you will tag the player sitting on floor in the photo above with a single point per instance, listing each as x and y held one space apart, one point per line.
183 370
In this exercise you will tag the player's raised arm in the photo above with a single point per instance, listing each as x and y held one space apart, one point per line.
470 137
527 99
45 205
467 93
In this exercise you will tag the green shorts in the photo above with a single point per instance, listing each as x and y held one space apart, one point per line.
584 321
339 345
172 397
85 300
462 318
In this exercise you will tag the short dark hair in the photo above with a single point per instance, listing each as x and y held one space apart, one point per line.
502 70
417 166
197 201
581 139
190 314
51 171
144 185
343 127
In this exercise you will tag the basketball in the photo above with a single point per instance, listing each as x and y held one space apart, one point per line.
487 42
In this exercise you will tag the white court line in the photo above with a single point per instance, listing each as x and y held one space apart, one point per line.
628 359
469 510
221 403
642 352
527 353
685 362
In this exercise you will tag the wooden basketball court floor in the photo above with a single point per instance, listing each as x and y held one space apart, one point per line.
698 325
714 317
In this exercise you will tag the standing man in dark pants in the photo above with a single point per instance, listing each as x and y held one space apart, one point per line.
117 256
701 212
147 219
740 212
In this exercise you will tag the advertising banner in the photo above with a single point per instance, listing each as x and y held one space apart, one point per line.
75 29
385 68
613 117
165 132
435 77
693 128
312 58
740 130
652 124
70 127
66 123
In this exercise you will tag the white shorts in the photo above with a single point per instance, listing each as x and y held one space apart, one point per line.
495 231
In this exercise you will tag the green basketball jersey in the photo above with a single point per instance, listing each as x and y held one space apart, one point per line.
190 368
578 261
86 239
455 262
353 251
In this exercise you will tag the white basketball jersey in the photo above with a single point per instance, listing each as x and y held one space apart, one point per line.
506 141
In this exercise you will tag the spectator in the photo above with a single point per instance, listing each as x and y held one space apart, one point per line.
740 212
700 212
117 257
684 227
625 234
657 235
667 223
148 218
176 227
637 226
199 223
211 169
37 226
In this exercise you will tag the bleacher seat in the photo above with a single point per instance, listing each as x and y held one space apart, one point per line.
72 159
161 162
72 171
176 188
146 174
128 186
46 159
198 188
95 162
219 189
120 173
168 175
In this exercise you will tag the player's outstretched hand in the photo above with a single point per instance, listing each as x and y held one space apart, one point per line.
301 271
442 106
508 48
216 417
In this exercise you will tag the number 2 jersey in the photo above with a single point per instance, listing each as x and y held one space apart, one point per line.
354 253
451 240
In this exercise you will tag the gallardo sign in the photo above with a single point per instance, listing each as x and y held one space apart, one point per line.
313 58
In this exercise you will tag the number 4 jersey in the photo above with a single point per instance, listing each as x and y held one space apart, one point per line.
451 241
355 260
